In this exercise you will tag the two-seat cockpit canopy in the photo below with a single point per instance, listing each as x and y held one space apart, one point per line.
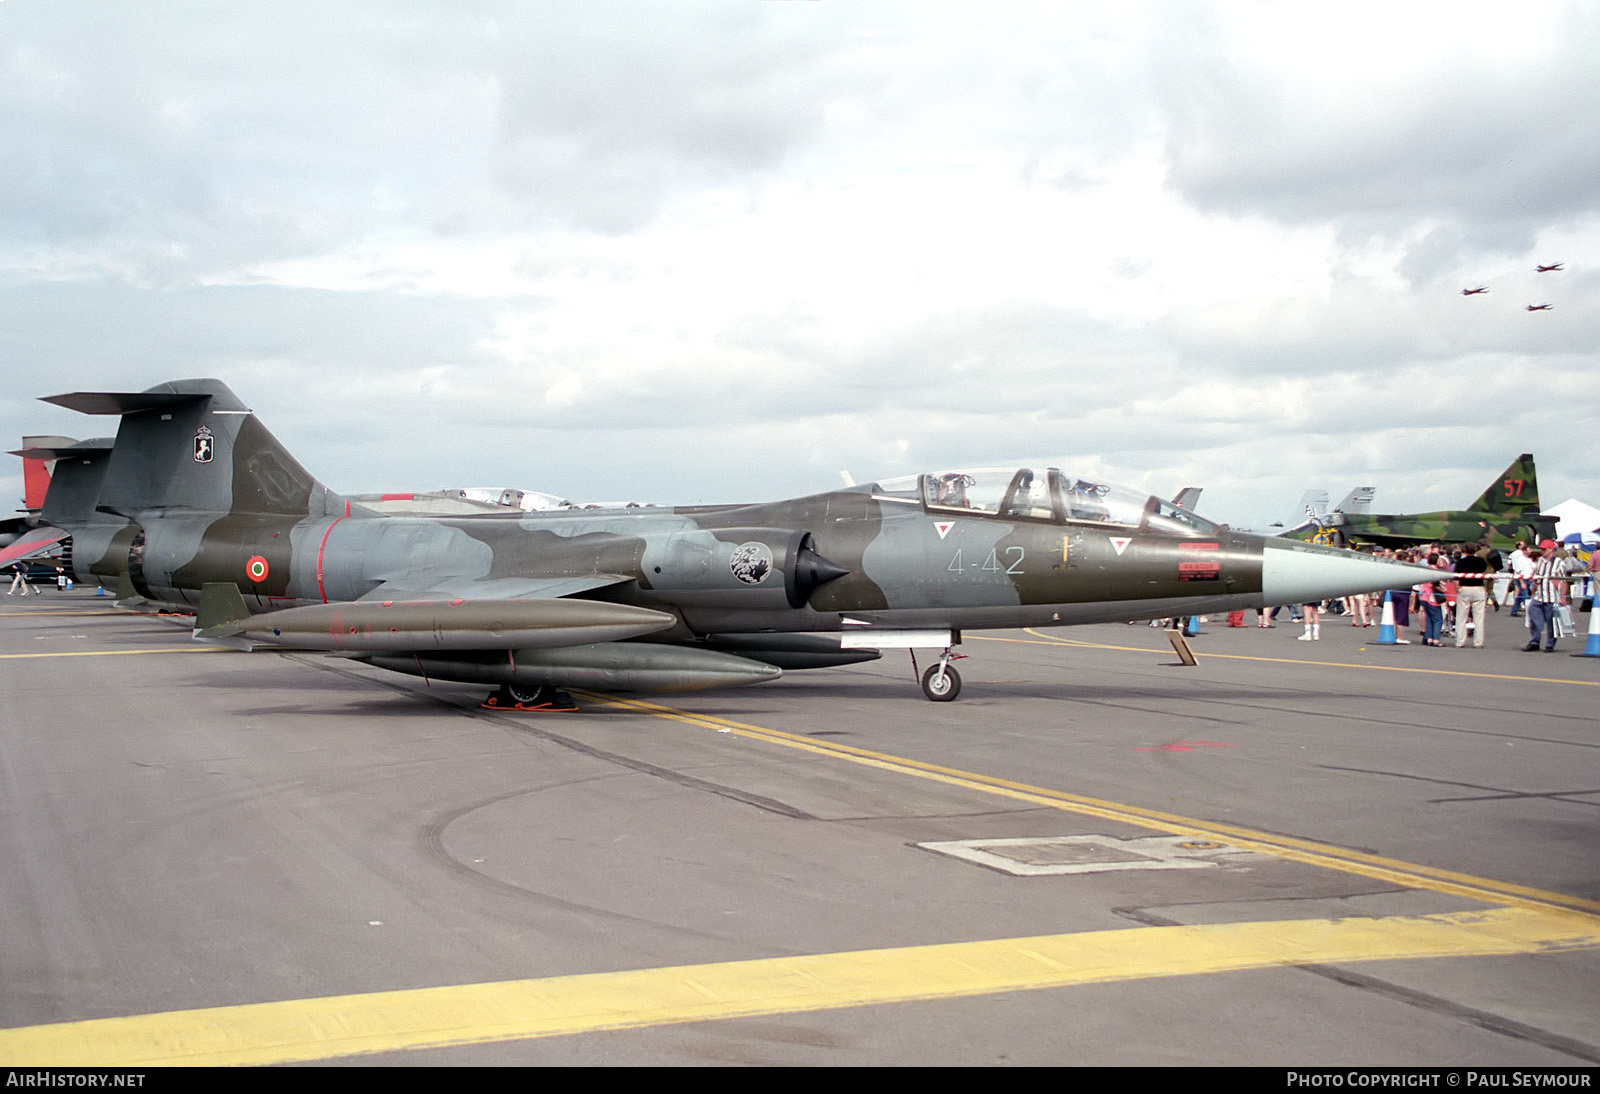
1041 494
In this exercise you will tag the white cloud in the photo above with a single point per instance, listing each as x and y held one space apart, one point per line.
716 250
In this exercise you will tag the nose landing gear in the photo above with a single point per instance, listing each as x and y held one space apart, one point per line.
941 683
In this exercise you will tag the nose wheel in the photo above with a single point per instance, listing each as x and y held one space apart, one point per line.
941 683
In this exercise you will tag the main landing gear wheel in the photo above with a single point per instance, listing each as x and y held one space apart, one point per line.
941 683
539 700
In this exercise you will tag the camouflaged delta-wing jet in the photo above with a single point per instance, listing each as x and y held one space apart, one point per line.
1506 512
197 505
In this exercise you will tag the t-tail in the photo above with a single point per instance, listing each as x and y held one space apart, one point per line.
173 439
63 478
73 490
38 462
1514 492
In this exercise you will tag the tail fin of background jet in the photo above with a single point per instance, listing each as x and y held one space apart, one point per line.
1358 500
36 469
1187 498
191 445
73 488
1514 492
1313 507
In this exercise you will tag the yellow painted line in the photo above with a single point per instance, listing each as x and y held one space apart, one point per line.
352 1025
1309 852
1046 640
117 653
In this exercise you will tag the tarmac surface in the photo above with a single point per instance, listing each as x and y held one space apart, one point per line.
1294 853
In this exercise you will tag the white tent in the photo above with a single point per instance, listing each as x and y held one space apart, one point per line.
1573 515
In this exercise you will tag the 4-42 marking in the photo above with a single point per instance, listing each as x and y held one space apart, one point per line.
993 563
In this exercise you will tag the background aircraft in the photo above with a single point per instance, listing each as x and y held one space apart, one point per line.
1358 500
197 505
21 538
1506 512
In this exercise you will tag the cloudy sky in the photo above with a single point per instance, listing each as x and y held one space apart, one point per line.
691 252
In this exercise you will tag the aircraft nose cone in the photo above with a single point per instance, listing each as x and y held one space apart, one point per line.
1301 573
813 571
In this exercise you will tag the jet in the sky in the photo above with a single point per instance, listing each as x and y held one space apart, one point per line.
1506 512
196 505
1549 269
1475 292
1538 307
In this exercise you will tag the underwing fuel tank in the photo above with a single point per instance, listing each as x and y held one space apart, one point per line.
447 625
791 651
601 666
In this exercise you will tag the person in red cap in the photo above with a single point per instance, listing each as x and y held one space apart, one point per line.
1548 592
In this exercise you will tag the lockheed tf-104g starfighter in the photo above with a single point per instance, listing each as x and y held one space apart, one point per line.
196 505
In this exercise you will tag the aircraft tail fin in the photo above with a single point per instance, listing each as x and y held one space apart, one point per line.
192 445
72 472
36 469
1514 492
1187 498
1313 506
1358 500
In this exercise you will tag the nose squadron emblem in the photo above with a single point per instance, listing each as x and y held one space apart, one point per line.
751 563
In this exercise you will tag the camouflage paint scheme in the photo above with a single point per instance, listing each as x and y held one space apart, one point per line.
1506 512
197 505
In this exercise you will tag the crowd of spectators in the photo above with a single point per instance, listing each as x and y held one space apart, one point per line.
1544 582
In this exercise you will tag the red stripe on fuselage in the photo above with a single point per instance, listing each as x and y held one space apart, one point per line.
323 546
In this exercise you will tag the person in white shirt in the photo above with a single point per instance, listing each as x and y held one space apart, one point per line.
1521 571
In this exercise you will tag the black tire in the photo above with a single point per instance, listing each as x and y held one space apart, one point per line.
931 684
525 696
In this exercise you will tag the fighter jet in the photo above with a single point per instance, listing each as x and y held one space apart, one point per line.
197 505
1475 292
1506 512
1538 307
1549 269
21 537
